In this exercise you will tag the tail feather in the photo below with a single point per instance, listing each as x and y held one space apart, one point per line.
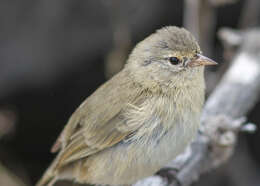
51 174
47 180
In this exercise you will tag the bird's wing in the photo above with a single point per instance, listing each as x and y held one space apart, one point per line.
99 122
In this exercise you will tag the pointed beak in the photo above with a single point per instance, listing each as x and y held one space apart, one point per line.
201 60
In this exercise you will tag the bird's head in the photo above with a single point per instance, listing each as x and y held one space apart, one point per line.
170 54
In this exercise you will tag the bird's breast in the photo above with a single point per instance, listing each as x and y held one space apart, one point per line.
165 131
164 135
174 124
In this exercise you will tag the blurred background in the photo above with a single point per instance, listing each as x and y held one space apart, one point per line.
54 54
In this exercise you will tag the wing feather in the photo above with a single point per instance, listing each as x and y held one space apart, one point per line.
97 124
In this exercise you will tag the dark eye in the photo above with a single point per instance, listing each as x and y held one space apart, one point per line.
174 60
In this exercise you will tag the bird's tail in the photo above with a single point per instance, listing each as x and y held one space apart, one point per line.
48 179
51 174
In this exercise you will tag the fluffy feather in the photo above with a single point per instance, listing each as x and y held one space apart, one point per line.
137 121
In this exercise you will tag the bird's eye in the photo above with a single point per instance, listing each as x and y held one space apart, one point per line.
174 60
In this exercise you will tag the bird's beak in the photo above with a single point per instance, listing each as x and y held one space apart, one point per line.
201 60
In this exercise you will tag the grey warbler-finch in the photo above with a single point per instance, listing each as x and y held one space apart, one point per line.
140 119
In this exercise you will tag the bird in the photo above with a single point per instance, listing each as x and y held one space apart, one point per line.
140 119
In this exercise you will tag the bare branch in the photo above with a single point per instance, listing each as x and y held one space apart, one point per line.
191 17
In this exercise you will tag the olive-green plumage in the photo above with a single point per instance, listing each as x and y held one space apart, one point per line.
140 119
